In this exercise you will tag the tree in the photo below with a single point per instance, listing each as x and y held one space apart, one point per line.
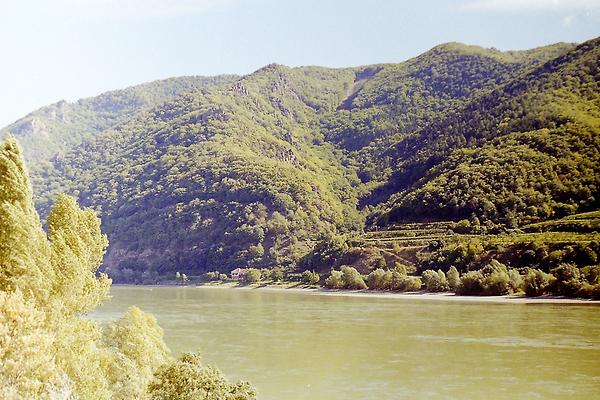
310 277
471 283
277 274
78 247
453 278
397 280
435 281
536 282
47 350
140 347
27 364
352 279
568 280
187 379
212 276
334 280
25 253
379 279
252 275
400 268
411 284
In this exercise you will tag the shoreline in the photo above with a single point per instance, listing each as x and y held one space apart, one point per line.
421 295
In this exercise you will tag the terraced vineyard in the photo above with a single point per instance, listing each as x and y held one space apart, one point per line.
585 222
407 243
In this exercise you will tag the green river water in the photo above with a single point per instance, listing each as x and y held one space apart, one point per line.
294 345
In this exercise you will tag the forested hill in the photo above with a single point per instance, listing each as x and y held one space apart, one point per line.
199 174
55 128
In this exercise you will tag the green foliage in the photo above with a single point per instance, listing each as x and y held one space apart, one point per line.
187 379
435 281
139 346
277 274
589 291
453 278
346 278
78 247
47 282
522 153
352 279
334 280
280 168
492 280
325 254
411 284
310 277
252 275
212 276
379 279
568 280
455 254
536 282
27 364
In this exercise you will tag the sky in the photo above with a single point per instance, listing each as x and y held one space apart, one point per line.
69 49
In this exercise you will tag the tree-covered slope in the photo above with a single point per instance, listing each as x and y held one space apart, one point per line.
218 178
54 128
390 102
52 131
527 151
253 171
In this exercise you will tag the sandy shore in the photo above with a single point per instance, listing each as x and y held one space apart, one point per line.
425 296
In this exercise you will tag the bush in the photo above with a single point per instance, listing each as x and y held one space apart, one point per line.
265 273
457 254
400 268
186 379
453 278
516 281
591 274
497 284
568 280
352 278
379 279
536 282
277 274
310 277
252 275
463 226
471 283
411 284
435 281
495 279
397 280
589 291
209 276
334 280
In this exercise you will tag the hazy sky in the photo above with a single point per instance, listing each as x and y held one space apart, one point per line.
68 49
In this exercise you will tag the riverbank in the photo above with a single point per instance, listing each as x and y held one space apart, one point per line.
421 295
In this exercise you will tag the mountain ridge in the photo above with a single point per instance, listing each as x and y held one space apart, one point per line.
254 170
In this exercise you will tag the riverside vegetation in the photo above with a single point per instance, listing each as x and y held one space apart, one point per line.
476 164
48 282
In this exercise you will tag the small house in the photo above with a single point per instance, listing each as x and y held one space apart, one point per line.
238 273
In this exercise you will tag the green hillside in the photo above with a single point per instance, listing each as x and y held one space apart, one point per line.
525 152
52 131
289 166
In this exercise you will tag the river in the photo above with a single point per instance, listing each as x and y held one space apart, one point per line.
294 346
